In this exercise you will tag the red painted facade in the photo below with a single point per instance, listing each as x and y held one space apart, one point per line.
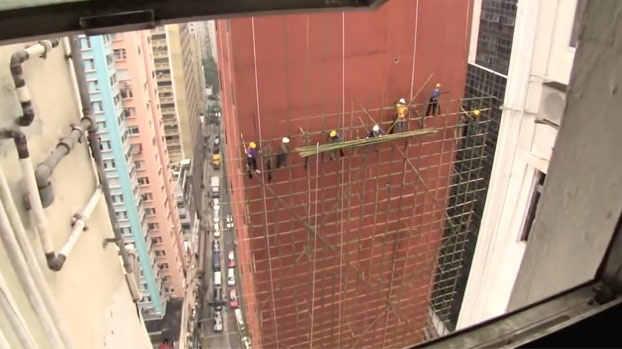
324 249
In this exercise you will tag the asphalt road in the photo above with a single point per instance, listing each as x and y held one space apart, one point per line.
229 337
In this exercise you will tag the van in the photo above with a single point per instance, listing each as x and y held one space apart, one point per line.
216 261
217 279
230 277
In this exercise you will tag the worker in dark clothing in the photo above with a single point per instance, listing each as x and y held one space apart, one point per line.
466 119
281 157
334 137
400 122
433 107
251 158
376 131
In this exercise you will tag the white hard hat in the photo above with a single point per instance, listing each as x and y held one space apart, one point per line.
285 140
376 128
402 100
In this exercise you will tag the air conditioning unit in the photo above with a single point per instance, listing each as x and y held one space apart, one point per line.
552 102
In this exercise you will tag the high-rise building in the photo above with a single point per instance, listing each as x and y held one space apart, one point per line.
178 72
530 81
344 253
88 300
141 109
107 96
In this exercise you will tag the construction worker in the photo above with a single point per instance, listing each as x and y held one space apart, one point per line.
400 123
376 131
334 137
281 157
251 158
466 120
433 107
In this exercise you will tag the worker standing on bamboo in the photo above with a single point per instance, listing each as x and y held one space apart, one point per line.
433 107
335 138
251 158
401 111
376 131
467 119
281 157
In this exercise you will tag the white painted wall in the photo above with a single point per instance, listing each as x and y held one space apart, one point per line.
523 147
90 291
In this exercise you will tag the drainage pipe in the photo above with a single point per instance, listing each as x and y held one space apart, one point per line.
17 72
79 225
7 235
12 313
29 255
93 140
45 169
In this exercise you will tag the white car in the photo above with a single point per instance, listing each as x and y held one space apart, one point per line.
216 209
215 201
230 277
229 221
217 322
216 230
216 219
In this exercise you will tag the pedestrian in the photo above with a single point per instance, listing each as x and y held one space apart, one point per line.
433 107
281 157
376 131
251 158
400 123
334 137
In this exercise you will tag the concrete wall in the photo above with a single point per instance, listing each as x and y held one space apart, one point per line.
103 301
282 73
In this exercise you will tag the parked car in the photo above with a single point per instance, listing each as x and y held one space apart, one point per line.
229 221
217 279
216 230
217 322
215 201
215 261
215 246
216 210
216 219
231 259
233 298
217 298
230 277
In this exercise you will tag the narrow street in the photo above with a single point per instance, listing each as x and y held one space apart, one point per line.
229 337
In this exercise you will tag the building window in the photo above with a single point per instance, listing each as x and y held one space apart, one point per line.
152 226
162 266
157 240
89 65
85 43
121 214
119 53
104 145
126 230
101 125
150 211
160 253
97 106
117 198
536 193
143 180
133 130
109 59
127 93
113 182
109 164
139 164
113 79
147 196
127 112
93 86
136 148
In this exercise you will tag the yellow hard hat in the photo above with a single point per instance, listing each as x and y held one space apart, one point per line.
438 84
476 112
252 145
333 133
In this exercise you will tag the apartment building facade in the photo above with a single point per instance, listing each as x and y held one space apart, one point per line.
141 110
178 72
104 87
538 73
91 287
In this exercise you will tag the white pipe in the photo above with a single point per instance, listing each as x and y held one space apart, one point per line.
12 313
7 236
31 259
35 205
80 224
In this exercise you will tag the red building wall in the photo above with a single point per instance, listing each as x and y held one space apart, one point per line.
378 227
